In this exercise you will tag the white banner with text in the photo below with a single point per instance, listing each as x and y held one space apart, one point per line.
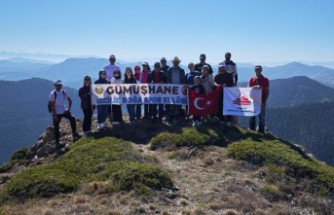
139 94
242 101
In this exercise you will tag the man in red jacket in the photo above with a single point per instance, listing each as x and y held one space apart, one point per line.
259 81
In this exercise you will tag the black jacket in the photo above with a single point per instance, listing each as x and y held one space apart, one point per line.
85 96
198 67
102 81
151 77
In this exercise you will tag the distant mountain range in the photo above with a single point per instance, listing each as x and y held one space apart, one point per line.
72 70
310 125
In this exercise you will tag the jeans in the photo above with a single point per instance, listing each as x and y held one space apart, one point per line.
138 111
102 113
56 123
252 121
153 111
131 111
146 111
87 122
117 113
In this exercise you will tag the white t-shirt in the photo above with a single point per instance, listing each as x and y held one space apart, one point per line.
59 101
110 70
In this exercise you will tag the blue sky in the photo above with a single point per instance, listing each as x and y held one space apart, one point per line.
253 30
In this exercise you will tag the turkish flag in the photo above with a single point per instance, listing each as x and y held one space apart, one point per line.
203 104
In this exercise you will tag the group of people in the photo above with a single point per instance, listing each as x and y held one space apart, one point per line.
200 77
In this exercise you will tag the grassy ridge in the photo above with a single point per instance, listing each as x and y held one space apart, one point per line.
274 152
261 150
107 159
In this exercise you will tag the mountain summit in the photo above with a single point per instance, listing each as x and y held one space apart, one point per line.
146 168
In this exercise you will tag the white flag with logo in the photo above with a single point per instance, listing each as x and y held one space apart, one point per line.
242 101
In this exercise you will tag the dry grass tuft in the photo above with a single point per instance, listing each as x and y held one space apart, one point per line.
49 212
230 212
80 199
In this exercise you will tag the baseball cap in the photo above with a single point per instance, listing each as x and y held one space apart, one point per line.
112 57
163 59
58 82
202 56
145 64
221 65
157 64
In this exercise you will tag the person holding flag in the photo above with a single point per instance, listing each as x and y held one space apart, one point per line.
259 81
224 79
199 89
103 111
157 76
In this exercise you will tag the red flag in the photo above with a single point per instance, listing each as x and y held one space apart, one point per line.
203 104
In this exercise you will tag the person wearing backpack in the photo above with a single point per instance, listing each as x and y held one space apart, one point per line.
86 104
58 110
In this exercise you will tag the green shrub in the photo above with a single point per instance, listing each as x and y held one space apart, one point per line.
90 156
279 154
42 181
126 176
99 159
188 138
21 154
271 191
21 157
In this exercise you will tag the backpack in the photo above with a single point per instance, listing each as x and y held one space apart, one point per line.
55 95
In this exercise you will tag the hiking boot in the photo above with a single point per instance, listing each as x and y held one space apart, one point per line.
76 136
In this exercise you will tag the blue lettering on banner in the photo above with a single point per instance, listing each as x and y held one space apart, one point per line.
104 100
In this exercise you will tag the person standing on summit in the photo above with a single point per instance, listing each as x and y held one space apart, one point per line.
87 107
175 75
103 111
164 66
231 67
111 67
157 76
143 80
259 81
198 66
58 110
